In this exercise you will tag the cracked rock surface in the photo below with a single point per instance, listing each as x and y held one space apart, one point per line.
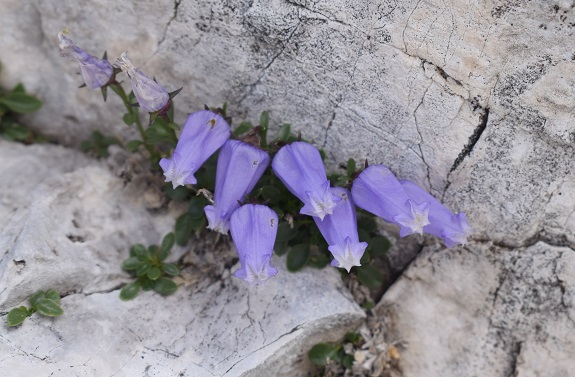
70 231
484 310
471 100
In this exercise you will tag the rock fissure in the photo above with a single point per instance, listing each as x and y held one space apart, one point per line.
473 139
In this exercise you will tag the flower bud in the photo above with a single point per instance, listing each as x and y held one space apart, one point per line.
151 96
95 72
452 228
378 191
254 228
340 231
300 168
240 166
204 132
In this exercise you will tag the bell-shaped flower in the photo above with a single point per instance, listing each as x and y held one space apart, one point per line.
443 223
95 72
378 191
254 228
240 166
151 96
203 134
300 168
340 231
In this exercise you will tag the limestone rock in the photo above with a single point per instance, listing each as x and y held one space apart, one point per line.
227 329
71 231
485 311
27 167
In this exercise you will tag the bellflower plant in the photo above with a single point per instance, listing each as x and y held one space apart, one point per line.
254 228
203 134
340 231
300 168
95 72
151 96
378 191
240 166
452 228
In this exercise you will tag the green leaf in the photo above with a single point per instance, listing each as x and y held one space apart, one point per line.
147 284
171 269
285 232
319 261
284 132
160 133
143 267
130 291
174 126
154 273
33 300
16 132
365 258
321 352
178 194
297 257
131 263
370 276
347 361
165 286
129 118
49 308
280 248
53 295
19 88
168 242
350 167
265 120
243 128
367 305
16 316
271 193
140 251
378 245
367 223
133 145
196 207
352 337
184 228
21 102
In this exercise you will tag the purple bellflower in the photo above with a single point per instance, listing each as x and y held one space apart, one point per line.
300 168
203 133
378 191
453 228
240 166
340 231
95 72
151 96
254 228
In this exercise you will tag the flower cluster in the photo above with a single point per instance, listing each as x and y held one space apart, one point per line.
405 204
99 73
298 165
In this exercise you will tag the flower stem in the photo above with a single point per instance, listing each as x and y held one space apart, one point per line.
133 111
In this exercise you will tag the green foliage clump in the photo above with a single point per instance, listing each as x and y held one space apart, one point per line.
147 266
12 103
46 303
322 353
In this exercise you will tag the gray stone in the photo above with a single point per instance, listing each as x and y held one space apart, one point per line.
485 311
225 329
71 231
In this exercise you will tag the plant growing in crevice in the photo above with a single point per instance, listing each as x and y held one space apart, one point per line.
13 103
324 355
47 303
148 267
